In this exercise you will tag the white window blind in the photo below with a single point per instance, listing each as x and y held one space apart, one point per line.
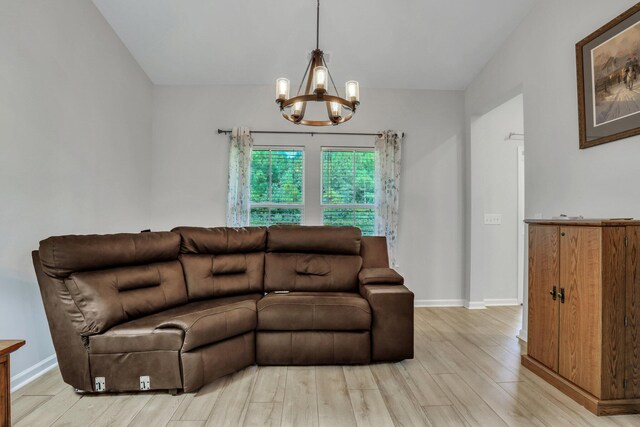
348 188
277 186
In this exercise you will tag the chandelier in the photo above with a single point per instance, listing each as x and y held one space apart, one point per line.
318 85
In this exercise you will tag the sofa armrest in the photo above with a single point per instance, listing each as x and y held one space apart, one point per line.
380 276
392 323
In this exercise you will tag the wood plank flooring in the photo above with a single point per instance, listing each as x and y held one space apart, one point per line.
466 372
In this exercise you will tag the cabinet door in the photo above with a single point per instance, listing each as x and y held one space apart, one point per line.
632 373
542 343
581 313
4 392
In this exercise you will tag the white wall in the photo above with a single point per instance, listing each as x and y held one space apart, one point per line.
539 60
75 141
189 178
494 190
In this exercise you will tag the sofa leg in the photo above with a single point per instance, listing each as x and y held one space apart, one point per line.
173 391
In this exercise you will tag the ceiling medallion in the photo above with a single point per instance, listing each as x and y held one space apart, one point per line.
317 89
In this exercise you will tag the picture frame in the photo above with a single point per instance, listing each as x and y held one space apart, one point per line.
608 71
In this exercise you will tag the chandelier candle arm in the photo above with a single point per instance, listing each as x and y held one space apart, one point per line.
317 75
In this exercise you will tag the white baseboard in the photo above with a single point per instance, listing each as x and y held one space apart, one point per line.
475 305
471 305
522 335
501 302
439 303
36 371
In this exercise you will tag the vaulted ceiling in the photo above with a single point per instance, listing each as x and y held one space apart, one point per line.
405 44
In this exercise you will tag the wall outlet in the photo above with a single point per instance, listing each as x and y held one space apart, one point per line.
492 219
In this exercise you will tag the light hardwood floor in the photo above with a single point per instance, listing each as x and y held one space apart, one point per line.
466 372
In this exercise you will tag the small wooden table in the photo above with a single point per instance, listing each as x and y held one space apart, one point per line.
6 348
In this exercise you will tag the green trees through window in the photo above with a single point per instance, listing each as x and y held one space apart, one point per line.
347 194
277 186
348 188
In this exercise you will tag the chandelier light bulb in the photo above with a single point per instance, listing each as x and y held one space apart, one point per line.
353 91
296 109
336 110
320 76
282 89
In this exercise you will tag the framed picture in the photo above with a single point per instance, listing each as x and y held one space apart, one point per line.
609 81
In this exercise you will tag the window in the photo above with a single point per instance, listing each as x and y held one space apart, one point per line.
348 188
277 186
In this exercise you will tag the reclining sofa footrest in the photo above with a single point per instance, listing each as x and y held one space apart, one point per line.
205 364
313 348
122 371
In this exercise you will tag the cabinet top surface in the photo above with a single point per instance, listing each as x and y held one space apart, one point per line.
9 346
593 222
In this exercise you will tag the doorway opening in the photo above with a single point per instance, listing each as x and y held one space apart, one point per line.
497 252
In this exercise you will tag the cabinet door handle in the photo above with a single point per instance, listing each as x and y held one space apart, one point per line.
561 295
554 293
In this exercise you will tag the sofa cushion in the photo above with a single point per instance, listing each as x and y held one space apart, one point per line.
209 276
123 339
314 311
221 240
200 323
106 298
311 273
309 239
380 276
62 255
215 323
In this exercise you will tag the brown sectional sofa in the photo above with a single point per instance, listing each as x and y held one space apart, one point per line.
188 306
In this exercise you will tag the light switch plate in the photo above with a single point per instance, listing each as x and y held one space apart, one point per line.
492 219
100 384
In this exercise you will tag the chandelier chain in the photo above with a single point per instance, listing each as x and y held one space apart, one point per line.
318 26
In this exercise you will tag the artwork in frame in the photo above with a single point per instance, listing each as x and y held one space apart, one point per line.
608 63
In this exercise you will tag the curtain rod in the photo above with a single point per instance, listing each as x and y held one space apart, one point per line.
227 131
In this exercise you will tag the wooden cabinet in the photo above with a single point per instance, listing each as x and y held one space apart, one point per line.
583 311
6 348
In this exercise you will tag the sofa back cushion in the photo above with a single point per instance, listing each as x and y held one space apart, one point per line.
62 255
109 297
222 261
210 276
312 259
317 240
114 278
311 272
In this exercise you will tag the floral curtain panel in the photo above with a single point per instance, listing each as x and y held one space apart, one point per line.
239 178
387 189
